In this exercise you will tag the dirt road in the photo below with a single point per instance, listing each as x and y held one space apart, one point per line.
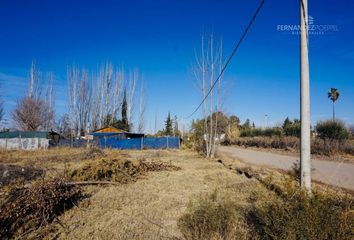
333 173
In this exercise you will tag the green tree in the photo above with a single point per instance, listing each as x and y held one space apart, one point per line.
333 130
125 125
287 123
333 94
234 120
168 125
112 121
247 124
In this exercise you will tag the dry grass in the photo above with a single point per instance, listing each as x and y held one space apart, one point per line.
151 206
146 209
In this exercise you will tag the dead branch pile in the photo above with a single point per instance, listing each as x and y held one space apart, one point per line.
118 170
94 153
26 209
17 174
155 166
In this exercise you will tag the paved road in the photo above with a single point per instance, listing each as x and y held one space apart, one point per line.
333 173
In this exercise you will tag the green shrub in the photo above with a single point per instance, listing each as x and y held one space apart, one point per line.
258 132
332 130
212 218
294 215
293 129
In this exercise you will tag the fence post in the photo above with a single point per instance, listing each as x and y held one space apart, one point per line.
167 142
179 143
142 143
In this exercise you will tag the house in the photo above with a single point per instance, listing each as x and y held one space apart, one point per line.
112 132
24 140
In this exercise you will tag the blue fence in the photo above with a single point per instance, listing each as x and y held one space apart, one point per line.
141 143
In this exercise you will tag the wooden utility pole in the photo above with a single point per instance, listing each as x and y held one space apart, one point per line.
305 158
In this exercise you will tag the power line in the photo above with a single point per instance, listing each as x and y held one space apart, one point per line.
229 59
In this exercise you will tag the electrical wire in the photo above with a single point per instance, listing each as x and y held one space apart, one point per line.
229 59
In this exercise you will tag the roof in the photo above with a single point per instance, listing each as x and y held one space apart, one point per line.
22 134
108 134
109 130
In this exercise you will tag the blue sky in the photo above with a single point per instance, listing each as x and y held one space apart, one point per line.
159 37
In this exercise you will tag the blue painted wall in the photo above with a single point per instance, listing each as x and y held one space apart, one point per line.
141 143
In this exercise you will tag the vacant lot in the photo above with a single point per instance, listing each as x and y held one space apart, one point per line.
144 194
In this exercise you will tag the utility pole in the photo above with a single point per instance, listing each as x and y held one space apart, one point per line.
305 158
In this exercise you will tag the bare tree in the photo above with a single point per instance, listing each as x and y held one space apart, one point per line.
35 82
79 92
64 126
31 114
50 101
97 103
97 99
107 89
142 107
131 84
208 67
2 111
117 94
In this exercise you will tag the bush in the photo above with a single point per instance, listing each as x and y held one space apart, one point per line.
268 142
297 216
329 129
331 147
327 147
258 132
212 218
293 130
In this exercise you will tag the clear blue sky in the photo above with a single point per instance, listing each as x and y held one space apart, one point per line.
159 37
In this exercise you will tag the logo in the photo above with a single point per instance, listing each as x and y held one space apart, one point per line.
313 29
309 20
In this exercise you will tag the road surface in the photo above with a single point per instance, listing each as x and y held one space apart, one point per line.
332 173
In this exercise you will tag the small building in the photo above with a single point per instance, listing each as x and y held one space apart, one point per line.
109 130
112 132
24 140
111 137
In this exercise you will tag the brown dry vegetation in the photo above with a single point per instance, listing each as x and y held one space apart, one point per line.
156 195
343 150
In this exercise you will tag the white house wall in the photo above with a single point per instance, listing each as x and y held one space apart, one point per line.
23 143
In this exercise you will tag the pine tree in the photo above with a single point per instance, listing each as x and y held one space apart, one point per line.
287 123
247 124
168 125
125 123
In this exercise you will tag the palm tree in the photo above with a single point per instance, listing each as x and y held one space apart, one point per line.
333 95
